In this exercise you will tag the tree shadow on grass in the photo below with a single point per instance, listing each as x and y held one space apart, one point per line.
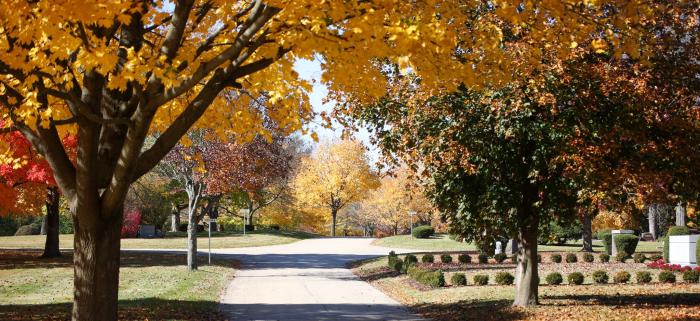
29 259
466 310
140 309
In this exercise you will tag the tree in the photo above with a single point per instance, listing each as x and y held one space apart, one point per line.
113 72
27 183
334 176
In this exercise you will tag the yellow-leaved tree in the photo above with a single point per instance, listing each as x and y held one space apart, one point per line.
115 71
334 176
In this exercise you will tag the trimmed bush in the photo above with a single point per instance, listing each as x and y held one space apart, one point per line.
588 258
575 278
464 258
667 277
621 257
423 231
600 277
691 276
556 258
626 243
427 258
639 258
622 277
554 278
433 279
504 278
483 258
600 233
391 259
655 257
604 258
446 258
571 258
673 230
643 277
410 258
607 242
459 279
397 265
481 279
500 257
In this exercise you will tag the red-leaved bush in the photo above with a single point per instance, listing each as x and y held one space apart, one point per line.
660 264
132 219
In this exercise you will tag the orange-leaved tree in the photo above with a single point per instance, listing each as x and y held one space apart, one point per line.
113 71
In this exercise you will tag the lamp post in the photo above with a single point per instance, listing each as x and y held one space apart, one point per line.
411 213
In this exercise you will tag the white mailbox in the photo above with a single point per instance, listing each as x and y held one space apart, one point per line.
681 249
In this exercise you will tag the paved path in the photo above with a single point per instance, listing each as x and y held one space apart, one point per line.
305 281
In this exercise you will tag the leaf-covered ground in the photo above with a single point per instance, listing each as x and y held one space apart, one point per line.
632 301
151 287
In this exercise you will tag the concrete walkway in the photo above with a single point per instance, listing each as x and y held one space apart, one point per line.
307 280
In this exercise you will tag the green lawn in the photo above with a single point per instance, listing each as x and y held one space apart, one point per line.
151 286
655 301
178 240
442 242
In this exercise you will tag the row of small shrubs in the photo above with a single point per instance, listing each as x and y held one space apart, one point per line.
603 257
433 279
463 258
601 277
501 278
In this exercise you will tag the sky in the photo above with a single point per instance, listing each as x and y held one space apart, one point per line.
311 70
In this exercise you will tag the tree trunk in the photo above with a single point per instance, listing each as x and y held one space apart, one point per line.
680 214
174 219
192 240
249 217
527 279
51 247
651 215
96 261
334 214
587 233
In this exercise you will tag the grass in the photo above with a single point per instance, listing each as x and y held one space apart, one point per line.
151 286
442 242
633 301
176 240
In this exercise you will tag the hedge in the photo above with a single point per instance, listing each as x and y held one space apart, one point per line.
433 279
575 278
673 230
504 278
643 277
554 278
481 279
626 243
667 277
423 231
459 279
464 258
446 258
427 258
607 242
622 277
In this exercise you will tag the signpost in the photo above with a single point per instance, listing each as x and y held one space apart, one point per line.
411 213
211 220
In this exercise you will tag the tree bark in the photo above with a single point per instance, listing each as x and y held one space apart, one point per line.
527 279
174 219
334 215
51 247
96 261
680 214
191 240
651 216
587 233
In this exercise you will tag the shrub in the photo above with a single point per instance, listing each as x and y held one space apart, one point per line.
556 258
673 230
130 227
397 265
639 258
500 257
481 279
571 258
410 258
607 242
391 259
622 277
691 276
604 258
667 277
446 258
643 277
600 277
600 233
483 258
621 257
575 278
655 257
504 278
626 243
554 278
459 279
423 231
427 258
433 279
464 258
588 257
